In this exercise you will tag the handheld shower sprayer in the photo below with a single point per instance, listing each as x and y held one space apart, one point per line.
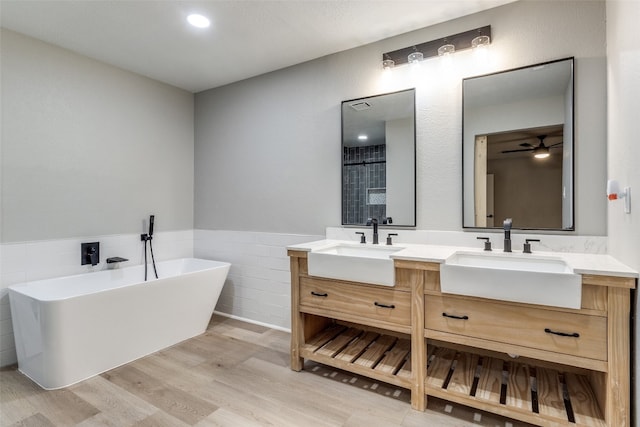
151 220
147 237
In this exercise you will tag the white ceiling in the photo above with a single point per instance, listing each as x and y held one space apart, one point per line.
246 38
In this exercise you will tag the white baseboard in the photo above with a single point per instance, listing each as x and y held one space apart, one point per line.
255 322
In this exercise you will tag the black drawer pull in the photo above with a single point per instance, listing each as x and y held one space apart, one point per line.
451 316
562 334
377 304
317 294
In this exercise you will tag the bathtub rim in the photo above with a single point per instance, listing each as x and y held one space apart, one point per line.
16 288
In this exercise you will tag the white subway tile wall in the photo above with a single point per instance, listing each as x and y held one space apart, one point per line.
258 286
28 261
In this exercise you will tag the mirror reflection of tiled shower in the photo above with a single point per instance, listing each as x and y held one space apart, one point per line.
364 184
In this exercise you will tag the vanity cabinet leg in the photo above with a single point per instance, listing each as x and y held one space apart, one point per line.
296 362
618 401
297 318
418 345
419 372
418 398
297 341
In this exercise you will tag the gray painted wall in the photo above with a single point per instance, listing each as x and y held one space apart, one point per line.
89 149
268 149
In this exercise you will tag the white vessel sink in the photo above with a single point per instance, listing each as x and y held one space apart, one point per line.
354 262
522 278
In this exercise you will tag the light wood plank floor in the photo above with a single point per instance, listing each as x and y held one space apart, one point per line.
236 374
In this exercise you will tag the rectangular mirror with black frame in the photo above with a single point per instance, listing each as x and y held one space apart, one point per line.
378 159
518 147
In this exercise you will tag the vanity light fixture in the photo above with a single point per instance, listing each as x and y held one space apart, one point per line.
415 57
198 21
480 41
446 49
477 37
388 63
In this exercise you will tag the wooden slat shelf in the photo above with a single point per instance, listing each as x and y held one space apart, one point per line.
379 356
541 396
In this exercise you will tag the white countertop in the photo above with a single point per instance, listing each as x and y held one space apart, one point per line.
581 263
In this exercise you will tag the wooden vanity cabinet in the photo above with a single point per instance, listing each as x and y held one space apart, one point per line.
543 365
361 328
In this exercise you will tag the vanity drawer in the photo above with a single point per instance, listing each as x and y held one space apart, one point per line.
367 301
514 324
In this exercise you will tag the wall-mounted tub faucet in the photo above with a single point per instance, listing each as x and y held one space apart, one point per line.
114 262
116 259
507 234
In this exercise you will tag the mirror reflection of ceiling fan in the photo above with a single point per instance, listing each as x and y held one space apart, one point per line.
540 151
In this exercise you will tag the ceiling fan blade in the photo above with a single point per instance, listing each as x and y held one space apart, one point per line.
516 151
556 144
526 144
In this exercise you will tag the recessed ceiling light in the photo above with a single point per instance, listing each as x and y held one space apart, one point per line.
363 137
198 20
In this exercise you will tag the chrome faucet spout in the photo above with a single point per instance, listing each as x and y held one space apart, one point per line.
506 225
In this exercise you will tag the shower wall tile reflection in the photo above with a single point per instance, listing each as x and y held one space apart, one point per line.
364 174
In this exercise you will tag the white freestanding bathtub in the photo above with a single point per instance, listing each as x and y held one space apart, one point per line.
71 328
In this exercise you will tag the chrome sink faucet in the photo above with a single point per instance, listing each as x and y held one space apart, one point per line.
507 234
374 222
